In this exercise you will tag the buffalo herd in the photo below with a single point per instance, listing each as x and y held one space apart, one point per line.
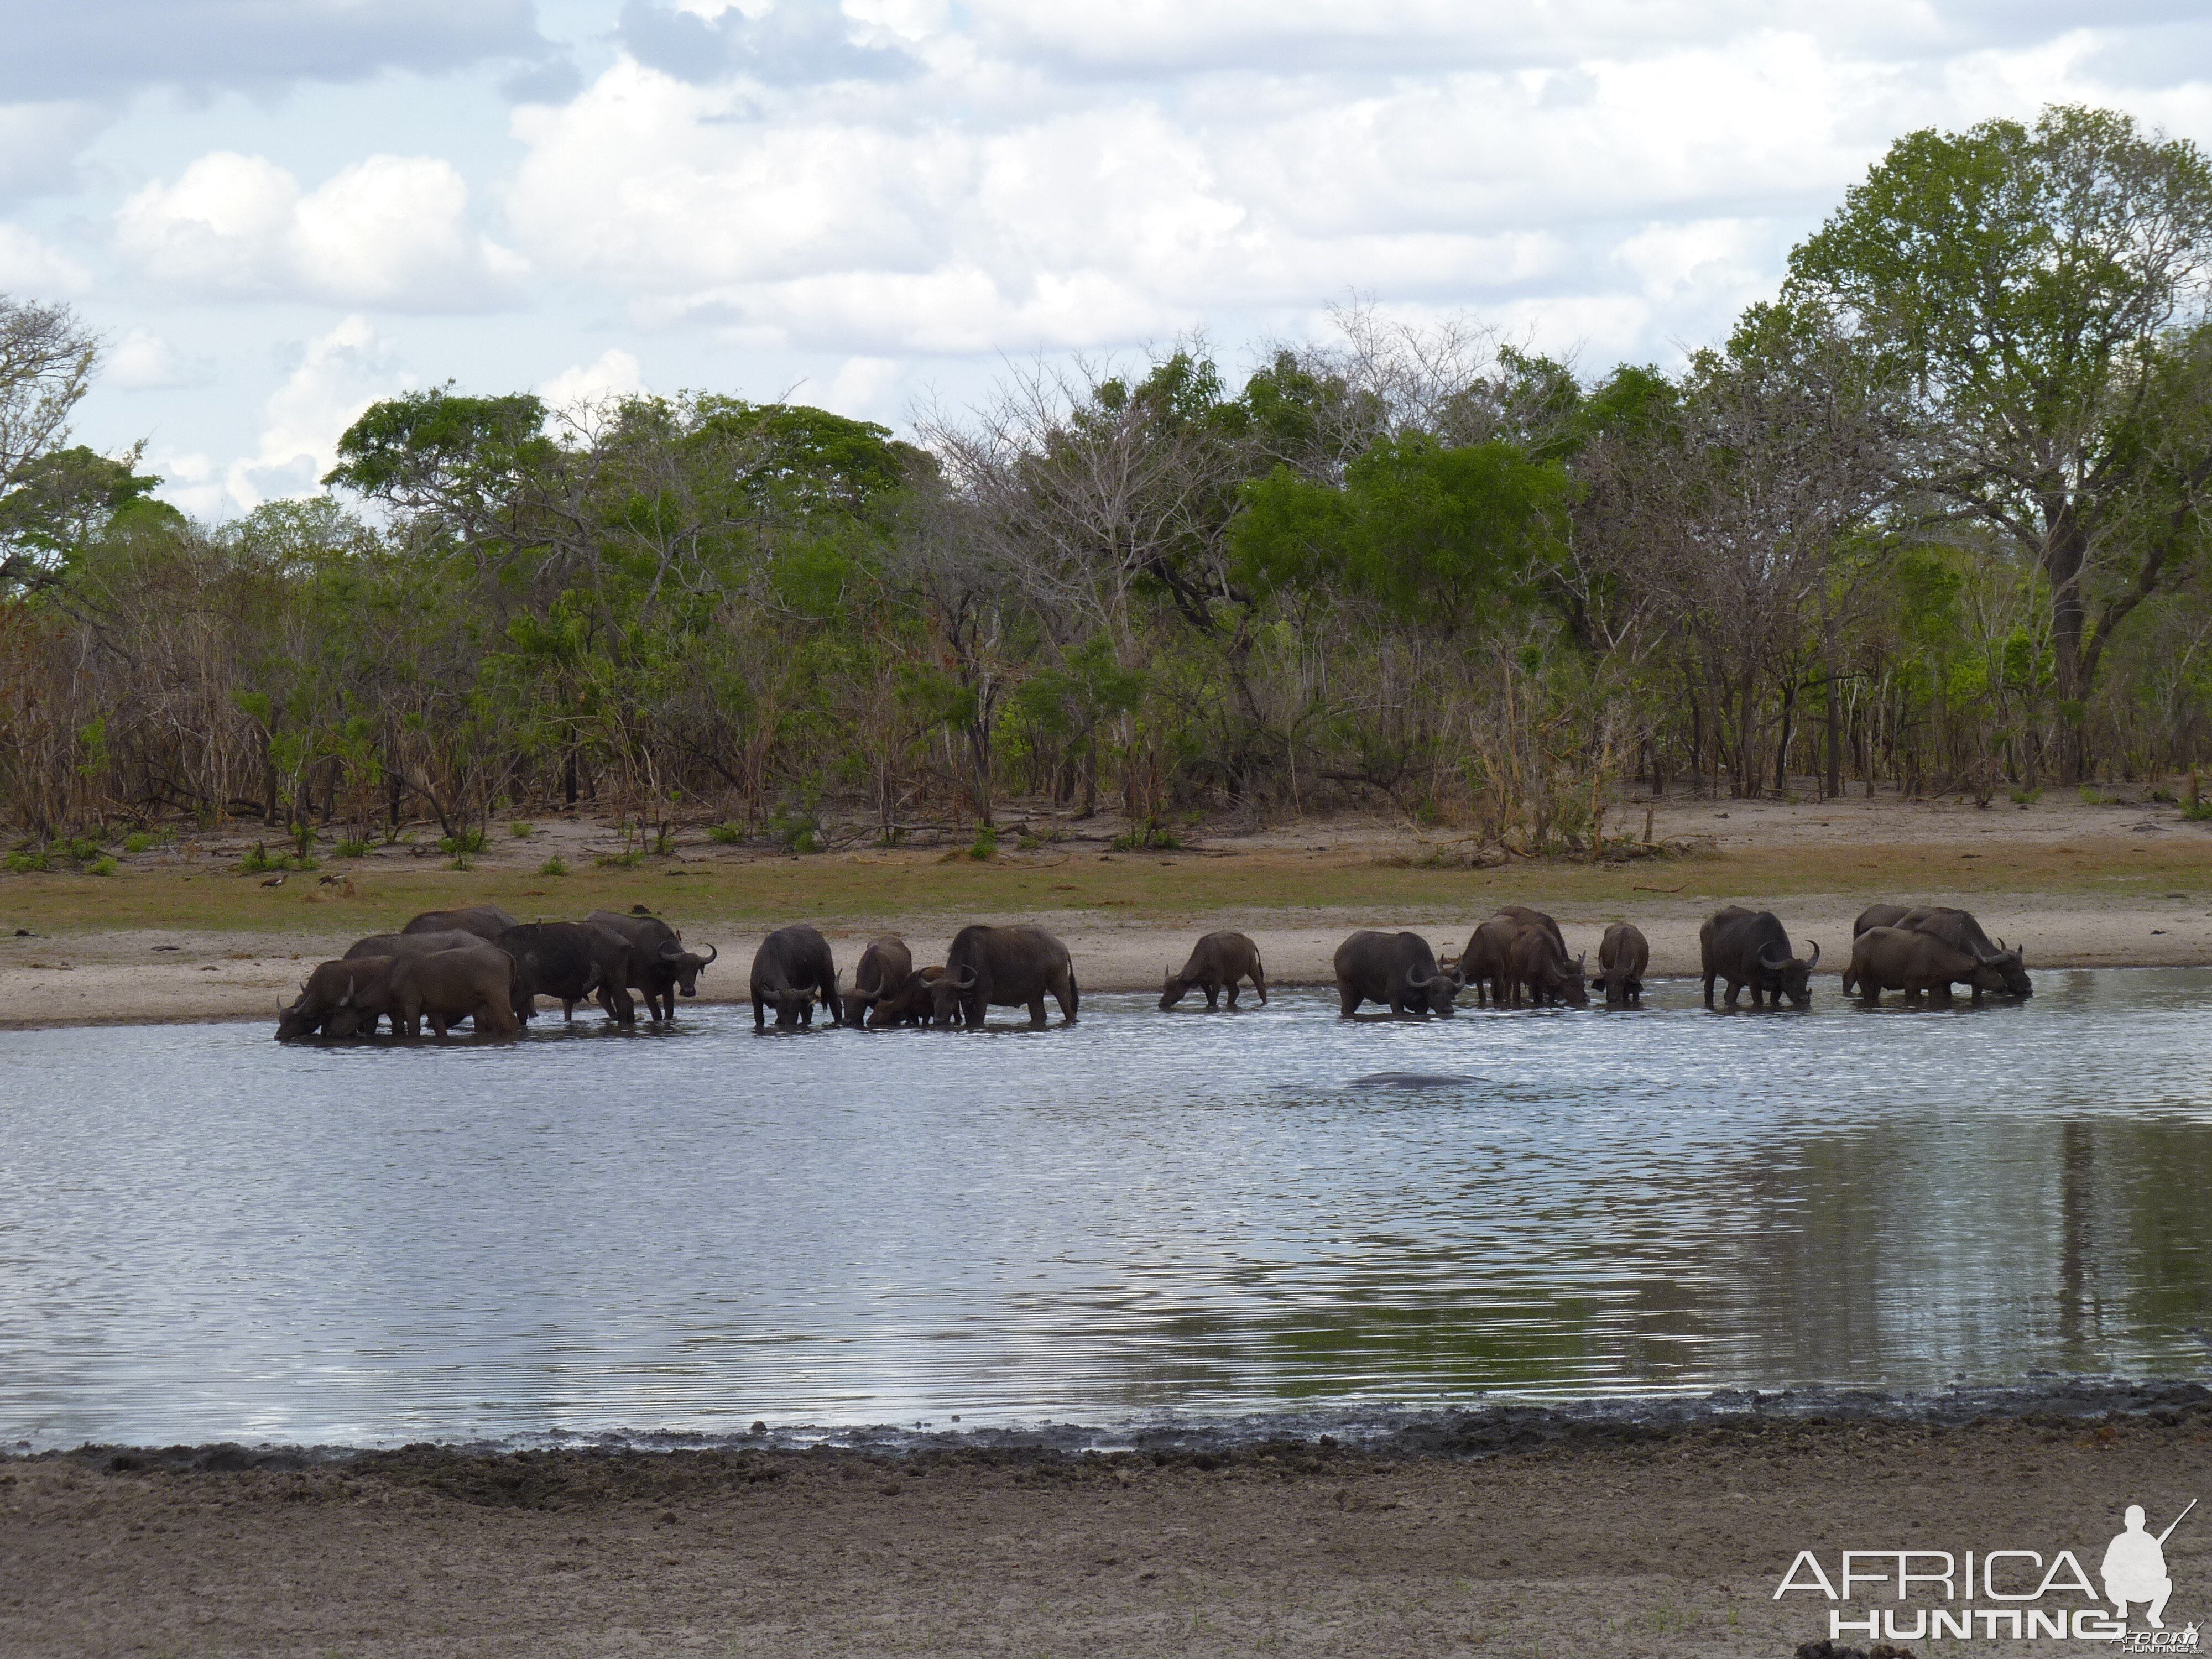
480 964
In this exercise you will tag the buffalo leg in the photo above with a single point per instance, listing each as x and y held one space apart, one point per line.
1036 1009
1709 990
1232 995
1351 999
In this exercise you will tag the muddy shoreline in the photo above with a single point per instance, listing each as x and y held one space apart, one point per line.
1660 1528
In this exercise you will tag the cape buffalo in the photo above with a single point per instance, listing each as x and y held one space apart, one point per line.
914 1002
1217 963
474 983
792 967
1879 915
1487 963
486 921
329 998
992 967
569 962
1398 971
1539 963
1957 929
1622 957
655 961
885 966
1908 960
405 944
1746 949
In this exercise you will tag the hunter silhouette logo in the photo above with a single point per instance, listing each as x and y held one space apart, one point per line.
2135 1567
2003 1595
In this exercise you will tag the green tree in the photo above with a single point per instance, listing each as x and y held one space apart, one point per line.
2032 281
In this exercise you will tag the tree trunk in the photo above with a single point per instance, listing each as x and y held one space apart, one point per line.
2064 553
1835 778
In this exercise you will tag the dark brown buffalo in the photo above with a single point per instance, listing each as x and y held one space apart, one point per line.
655 961
1908 960
569 962
1522 915
1487 963
1622 957
1540 965
405 944
486 921
885 966
1879 915
1398 971
1744 947
792 968
992 967
914 1002
329 998
476 983
1957 929
1217 963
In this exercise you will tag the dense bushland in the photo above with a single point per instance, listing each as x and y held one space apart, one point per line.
1933 518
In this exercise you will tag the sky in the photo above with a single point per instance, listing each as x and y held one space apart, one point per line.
277 211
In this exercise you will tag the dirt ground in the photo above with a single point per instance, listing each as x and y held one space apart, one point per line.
1605 1545
180 935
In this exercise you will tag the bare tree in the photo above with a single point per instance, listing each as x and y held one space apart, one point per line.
46 360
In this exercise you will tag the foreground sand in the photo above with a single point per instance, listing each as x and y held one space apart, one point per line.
1603 1545
2078 886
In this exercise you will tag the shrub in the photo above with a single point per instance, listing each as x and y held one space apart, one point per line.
255 861
24 861
467 842
461 861
2026 797
986 843
351 849
521 830
101 866
628 860
797 831
138 840
726 834
1148 836
2199 813
553 866
77 847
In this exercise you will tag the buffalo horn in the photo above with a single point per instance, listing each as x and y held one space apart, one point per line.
1420 984
1816 961
865 992
713 951
669 948
968 984
1772 962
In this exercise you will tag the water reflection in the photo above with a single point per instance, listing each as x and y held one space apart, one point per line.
204 1236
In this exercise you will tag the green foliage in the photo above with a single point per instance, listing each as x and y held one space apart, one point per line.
985 844
798 830
1150 836
624 860
100 867
26 860
556 865
351 847
2026 797
725 835
138 840
1444 535
521 830
462 842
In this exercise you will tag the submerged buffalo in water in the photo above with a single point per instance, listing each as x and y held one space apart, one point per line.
913 1003
1622 957
447 986
1398 971
992 967
1217 963
569 962
1916 962
486 921
331 998
792 968
1538 964
1745 948
885 966
654 959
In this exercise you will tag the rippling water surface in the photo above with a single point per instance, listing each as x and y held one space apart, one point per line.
205 1236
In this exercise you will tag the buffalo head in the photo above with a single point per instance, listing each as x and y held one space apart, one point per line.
1791 976
1173 989
298 1020
683 966
1439 990
2004 971
949 991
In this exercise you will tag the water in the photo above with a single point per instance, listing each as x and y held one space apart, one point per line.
206 1235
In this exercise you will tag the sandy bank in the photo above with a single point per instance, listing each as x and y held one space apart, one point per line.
1604 1546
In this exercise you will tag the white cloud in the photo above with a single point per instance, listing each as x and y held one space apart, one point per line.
391 232
339 374
861 386
614 373
31 266
143 362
